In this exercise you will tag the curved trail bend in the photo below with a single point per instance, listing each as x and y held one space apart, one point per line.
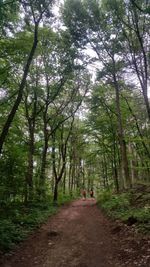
78 236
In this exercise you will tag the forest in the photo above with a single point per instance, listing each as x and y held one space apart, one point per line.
74 110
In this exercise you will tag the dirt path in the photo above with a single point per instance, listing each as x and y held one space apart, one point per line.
78 236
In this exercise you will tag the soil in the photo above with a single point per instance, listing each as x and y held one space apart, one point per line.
80 235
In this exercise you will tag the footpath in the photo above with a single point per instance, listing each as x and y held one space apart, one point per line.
81 236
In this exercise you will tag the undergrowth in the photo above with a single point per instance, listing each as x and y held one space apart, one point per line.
127 207
18 221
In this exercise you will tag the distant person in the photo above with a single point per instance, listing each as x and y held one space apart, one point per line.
91 193
84 194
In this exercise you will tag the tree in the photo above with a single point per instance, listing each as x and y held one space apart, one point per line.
135 35
35 13
59 170
93 27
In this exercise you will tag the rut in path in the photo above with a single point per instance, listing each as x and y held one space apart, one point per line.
79 235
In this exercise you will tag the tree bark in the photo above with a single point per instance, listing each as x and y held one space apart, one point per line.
115 167
29 175
55 198
20 91
64 183
121 137
42 177
58 174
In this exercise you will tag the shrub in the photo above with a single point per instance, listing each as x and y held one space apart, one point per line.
121 207
21 221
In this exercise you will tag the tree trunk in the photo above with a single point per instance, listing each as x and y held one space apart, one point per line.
115 164
55 198
20 91
43 167
30 162
122 142
105 170
31 129
146 99
64 183
70 171
45 147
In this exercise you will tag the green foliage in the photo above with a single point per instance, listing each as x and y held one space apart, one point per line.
65 198
12 169
17 221
114 202
8 16
121 207
10 234
104 197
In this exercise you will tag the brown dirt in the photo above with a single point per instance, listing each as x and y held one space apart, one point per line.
81 236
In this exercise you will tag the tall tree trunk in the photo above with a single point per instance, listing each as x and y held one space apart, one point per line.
54 169
58 172
31 127
43 166
72 180
55 198
122 142
132 163
115 164
105 170
20 90
64 182
45 148
29 177
70 171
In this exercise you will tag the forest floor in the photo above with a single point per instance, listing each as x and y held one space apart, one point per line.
80 235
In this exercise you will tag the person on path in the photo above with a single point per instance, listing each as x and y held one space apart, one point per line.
84 194
91 193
